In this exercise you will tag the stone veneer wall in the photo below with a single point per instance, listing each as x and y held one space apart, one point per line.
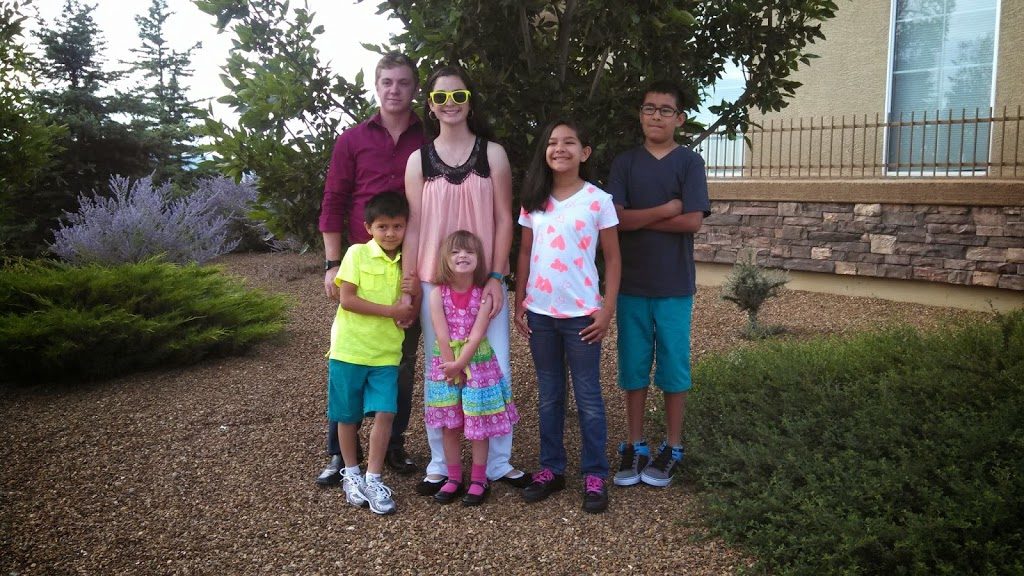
971 245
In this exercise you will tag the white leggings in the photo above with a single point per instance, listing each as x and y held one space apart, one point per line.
500 447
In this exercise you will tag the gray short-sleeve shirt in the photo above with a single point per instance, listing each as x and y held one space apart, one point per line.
658 264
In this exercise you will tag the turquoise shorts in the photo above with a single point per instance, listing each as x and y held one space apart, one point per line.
654 329
355 391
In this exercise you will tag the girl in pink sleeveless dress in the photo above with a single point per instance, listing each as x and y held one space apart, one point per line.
460 180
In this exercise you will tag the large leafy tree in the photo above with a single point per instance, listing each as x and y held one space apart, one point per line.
532 60
27 136
95 144
535 59
289 107
166 114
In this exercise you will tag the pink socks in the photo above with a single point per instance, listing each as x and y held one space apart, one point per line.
479 479
454 479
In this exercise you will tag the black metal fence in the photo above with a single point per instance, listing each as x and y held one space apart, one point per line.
965 143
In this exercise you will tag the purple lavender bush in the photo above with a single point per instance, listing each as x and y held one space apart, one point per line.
139 221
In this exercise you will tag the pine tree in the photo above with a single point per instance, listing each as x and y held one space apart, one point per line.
28 138
166 113
96 145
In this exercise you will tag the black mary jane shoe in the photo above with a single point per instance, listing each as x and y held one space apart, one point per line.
449 497
475 499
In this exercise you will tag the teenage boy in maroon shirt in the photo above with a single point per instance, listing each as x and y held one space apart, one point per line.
368 159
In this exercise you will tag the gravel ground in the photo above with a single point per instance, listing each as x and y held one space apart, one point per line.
209 469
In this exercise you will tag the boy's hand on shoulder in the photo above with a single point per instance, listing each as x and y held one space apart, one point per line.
597 330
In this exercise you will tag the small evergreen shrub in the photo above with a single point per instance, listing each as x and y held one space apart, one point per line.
138 221
749 286
66 323
889 453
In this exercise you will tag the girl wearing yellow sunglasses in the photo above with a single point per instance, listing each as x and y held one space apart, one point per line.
442 97
460 181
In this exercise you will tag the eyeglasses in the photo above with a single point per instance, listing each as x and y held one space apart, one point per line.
441 97
664 111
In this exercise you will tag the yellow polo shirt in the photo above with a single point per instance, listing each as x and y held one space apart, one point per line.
359 338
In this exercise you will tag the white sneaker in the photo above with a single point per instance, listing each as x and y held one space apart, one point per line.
379 497
354 486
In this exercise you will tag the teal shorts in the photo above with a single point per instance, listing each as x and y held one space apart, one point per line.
654 332
355 391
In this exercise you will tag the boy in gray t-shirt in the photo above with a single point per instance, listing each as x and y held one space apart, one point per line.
661 197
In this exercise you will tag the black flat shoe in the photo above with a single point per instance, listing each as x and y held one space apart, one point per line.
449 497
476 499
521 482
428 488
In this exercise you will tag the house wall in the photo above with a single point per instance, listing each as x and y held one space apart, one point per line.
931 231
1009 63
963 232
918 291
850 76
848 84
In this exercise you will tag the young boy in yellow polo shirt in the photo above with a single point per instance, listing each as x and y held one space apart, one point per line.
366 348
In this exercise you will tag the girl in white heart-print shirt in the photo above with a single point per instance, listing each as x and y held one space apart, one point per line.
559 305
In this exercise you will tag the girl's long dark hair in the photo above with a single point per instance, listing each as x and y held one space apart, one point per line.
538 181
477 120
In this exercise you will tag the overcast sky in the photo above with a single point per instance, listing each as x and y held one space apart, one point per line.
346 24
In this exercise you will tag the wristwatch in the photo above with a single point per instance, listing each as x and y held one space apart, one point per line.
328 264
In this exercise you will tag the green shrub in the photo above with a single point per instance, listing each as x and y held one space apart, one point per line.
64 323
888 453
749 286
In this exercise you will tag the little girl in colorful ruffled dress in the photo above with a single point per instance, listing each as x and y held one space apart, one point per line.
466 390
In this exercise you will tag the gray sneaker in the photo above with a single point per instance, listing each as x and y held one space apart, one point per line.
355 488
379 497
634 459
659 471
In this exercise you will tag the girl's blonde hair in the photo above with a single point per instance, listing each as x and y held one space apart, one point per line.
461 240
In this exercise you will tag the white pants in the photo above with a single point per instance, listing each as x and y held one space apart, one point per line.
500 447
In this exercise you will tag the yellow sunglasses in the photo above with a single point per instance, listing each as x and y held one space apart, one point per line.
441 97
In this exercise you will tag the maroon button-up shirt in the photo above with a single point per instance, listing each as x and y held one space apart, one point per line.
365 162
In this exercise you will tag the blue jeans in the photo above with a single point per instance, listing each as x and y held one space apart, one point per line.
556 344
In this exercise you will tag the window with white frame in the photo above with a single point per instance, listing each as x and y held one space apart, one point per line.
942 69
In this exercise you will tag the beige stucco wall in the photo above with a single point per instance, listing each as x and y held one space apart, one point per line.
850 75
1010 60
847 87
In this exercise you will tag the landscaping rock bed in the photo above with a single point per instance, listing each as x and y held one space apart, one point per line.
209 469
